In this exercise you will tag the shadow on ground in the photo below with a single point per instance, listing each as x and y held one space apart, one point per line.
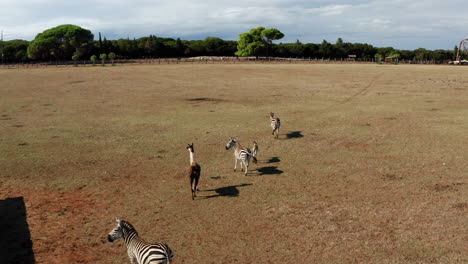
15 240
229 191
273 160
294 134
270 170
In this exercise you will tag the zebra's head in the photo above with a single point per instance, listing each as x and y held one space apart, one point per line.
190 148
272 114
120 230
231 143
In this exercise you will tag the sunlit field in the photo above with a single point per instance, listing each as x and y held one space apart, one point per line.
370 165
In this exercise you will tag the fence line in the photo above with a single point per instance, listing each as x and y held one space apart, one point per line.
212 60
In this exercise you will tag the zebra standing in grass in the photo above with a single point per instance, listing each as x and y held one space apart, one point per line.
275 125
254 152
240 153
139 251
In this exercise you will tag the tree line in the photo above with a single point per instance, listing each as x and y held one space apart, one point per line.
67 42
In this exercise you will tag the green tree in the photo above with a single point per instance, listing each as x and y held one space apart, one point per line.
421 54
20 55
179 48
270 34
93 59
75 58
339 49
325 49
103 57
379 58
251 43
14 50
112 57
60 42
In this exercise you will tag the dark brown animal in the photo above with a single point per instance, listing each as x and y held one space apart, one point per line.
193 171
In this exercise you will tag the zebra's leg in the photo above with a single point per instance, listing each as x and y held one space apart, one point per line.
235 163
246 165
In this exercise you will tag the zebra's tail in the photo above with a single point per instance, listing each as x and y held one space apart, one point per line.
254 160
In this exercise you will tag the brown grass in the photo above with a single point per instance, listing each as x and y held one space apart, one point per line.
370 166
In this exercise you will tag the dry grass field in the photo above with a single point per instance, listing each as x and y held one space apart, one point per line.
370 165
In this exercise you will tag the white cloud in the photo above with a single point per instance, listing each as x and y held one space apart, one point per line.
399 23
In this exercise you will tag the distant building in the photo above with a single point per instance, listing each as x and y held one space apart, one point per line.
391 60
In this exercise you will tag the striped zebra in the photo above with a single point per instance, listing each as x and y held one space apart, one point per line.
139 251
240 153
254 152
275 124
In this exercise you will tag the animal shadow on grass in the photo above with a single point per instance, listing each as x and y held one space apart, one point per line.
229 191
270 170
15 241
294 134
273 160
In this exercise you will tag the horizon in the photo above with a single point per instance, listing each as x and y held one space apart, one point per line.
378 23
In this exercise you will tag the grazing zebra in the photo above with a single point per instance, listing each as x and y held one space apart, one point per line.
254 152
193 171
275 125
240 153
139 251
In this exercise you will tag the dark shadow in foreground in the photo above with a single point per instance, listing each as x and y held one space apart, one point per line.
229 191
273 160
15 240
294 134
270 170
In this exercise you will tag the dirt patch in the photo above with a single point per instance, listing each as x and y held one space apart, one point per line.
61 225
391 177
462 206
440 187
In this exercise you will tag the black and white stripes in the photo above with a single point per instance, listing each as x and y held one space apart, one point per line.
240 153
139 251
275 124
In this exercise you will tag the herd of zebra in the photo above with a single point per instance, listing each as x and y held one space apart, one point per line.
141 252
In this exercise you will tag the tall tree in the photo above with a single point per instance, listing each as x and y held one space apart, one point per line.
14 50
270 34
326 49
60 42
250 43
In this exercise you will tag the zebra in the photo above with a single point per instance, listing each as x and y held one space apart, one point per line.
254 152
193 171
275 124
240 153
139 251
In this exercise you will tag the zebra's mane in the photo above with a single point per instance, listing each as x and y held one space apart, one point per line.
127 226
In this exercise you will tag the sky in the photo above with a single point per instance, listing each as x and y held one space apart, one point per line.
402 24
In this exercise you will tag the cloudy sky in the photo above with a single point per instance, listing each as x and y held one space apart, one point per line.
403 24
